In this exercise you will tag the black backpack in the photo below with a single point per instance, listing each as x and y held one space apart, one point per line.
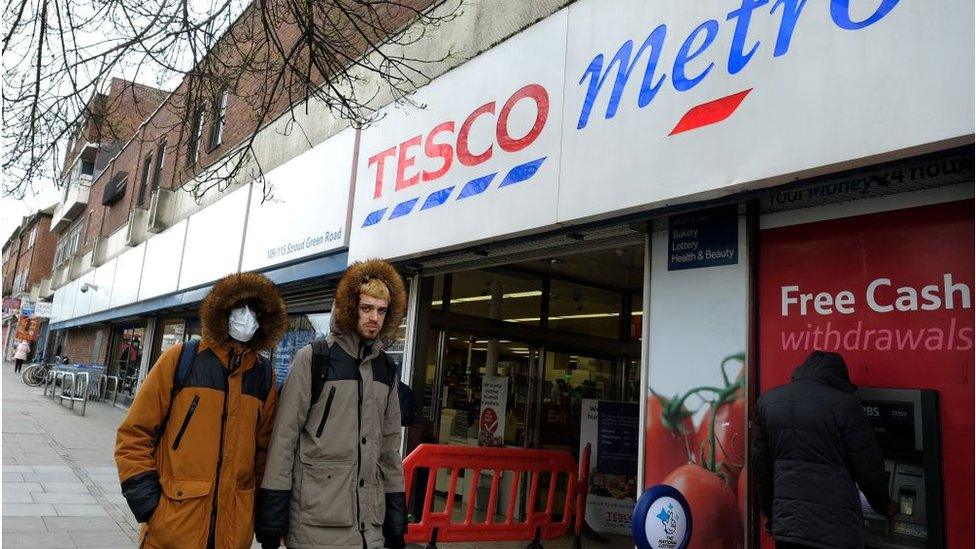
320 363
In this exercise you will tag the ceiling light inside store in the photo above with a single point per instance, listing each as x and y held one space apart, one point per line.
514 295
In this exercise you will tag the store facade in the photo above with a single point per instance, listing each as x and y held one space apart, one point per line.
624 223
605 222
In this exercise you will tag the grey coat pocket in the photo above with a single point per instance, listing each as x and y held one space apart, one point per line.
328 494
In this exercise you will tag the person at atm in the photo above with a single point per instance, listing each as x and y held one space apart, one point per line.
813 449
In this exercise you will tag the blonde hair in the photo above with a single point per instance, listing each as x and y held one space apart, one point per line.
375 287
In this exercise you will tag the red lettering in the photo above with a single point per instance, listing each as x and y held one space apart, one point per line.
463 152
443 151
404 161
380 160
541 97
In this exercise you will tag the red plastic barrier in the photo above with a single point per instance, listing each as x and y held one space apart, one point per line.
442 525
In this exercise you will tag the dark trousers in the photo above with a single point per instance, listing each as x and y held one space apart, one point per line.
17 363
788 545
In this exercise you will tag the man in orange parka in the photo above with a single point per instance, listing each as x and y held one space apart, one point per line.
192 449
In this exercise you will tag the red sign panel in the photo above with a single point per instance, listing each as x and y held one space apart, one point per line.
893 293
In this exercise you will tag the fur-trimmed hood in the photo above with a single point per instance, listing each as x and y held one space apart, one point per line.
345 311
232 291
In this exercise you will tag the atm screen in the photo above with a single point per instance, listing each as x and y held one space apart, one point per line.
893 423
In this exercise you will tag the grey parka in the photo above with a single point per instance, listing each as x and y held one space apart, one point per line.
334 464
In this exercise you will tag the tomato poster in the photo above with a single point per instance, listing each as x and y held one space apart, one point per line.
892 292
695 438
610 430
494 400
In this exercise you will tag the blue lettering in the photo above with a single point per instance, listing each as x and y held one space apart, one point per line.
625 65
742 16
681 82
840 12
791 13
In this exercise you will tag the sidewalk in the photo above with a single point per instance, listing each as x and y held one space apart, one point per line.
60 487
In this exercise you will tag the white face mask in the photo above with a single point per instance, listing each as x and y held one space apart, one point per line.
242 324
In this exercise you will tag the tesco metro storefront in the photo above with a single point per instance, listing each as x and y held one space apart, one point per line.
758 179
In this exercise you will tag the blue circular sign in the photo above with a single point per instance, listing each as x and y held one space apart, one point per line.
662 519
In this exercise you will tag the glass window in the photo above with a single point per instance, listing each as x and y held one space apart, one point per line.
193 151
520 297
584 309
144 179
160 159
568 380
126 356
302 329
217 130
464 366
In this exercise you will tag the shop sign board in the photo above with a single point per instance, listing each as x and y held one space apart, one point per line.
306 211
494 407
162 262
213 240
479 160
11 304
891 292
28 328
706 238
27 307
610 108
44 309
611 430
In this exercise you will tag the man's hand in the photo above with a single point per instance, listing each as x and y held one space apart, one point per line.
892 509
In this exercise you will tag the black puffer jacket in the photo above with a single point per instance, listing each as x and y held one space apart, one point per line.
812 443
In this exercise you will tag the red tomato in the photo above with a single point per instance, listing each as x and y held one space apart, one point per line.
713 508
742 490
666 447
730 433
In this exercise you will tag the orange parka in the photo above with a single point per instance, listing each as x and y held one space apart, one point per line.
195 485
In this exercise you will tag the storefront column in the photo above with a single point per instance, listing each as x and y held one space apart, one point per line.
147 356
645 370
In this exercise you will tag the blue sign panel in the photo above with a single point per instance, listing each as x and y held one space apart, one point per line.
708 238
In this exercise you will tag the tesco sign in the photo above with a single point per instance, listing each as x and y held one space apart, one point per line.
605 108
448 141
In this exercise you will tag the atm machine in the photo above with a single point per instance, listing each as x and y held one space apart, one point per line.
906 424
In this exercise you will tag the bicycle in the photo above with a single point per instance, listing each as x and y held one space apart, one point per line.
35 374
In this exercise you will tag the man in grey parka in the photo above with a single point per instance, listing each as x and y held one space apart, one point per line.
334 475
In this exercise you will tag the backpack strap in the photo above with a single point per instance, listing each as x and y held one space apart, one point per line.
265 364
188 355
320 368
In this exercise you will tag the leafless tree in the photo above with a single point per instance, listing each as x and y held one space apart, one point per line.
59 55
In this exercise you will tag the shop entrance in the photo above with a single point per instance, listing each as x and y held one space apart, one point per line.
558 333
125 357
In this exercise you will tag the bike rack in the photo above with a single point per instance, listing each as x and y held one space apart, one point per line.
72 385
103 386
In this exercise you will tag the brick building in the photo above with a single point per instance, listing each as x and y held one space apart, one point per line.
27 257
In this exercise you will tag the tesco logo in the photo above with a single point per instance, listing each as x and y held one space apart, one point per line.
448 142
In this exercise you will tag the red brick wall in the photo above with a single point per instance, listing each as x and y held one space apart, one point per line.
43 252
81 343
128 106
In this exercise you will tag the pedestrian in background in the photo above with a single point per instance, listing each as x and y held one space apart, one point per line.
192 448
23 351
813 449
335 476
